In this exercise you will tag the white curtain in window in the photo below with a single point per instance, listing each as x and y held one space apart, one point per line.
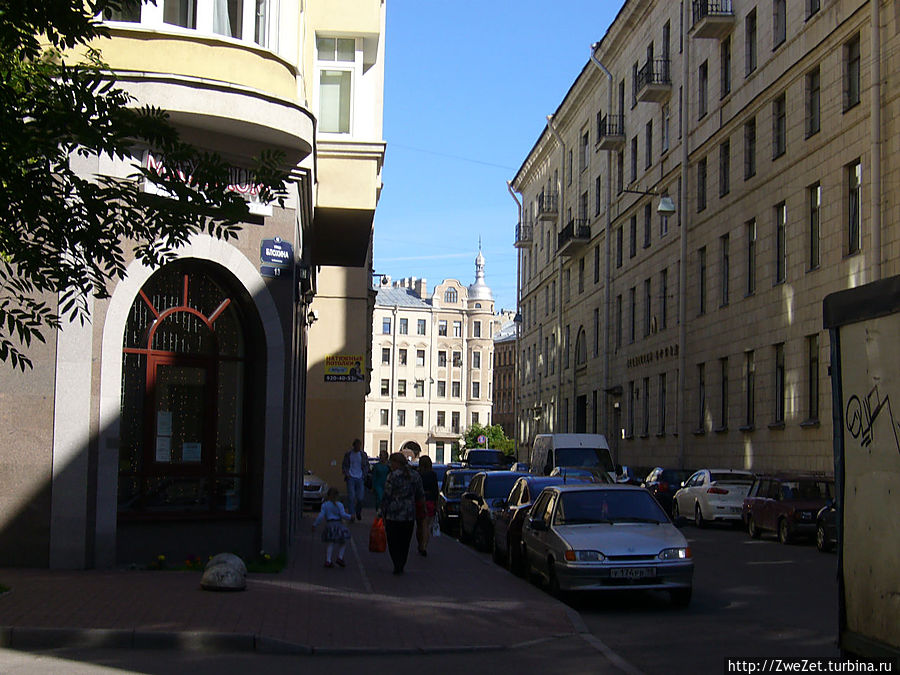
334 101
227 17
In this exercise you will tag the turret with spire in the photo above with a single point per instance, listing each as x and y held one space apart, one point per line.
480 291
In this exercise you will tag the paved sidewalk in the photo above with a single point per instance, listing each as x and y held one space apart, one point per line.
454 599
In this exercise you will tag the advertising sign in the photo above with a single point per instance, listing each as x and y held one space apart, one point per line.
345 368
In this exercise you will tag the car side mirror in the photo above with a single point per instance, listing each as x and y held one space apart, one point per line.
537 524
683 483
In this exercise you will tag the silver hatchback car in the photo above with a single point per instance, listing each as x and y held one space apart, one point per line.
592 537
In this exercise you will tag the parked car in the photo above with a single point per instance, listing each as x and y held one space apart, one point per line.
314 489
786 504
632 475
606 537
508 523
712 495
480 503
572 473
487 459
521 467
440 471
826 527
456 481
663 483
582 450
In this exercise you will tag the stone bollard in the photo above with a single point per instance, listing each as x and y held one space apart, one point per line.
224 572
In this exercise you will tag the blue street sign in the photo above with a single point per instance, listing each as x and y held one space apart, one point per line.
276 252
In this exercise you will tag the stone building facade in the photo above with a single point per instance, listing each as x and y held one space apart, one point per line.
695 338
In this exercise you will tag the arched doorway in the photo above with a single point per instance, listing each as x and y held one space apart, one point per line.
185 418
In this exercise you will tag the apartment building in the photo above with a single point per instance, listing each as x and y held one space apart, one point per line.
504 412
432 372
714 171
174 422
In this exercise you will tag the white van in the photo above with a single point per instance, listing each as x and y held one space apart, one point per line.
576 450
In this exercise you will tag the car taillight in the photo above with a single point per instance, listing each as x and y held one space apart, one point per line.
716 491
663 487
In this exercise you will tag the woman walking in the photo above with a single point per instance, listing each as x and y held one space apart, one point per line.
426 516
402 491
379 475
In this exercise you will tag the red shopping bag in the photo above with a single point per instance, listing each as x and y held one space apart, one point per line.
377 537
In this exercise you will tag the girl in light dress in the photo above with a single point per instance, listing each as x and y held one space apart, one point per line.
334 514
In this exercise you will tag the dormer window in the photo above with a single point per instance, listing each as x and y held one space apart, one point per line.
450 296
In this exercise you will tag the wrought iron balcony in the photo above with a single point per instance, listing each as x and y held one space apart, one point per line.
611 132
712 18
548 206
654 81
574 237
524 236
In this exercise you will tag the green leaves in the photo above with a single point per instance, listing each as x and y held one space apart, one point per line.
496 438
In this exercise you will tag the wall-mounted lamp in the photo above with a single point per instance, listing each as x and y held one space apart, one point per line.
312 317
666 204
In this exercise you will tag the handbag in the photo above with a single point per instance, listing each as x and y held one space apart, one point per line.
435 528
377 537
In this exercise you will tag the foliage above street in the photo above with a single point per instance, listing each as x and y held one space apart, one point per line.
64 236
496 438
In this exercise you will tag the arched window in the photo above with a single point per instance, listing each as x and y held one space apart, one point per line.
580 348
182 439
450 296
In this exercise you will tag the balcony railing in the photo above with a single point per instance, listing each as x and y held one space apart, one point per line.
548 206
524 237
654 81
712 18
611 132
573 237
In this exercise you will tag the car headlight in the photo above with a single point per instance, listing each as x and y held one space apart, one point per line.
585 556
674 554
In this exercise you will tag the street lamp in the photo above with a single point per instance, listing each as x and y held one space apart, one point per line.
666 204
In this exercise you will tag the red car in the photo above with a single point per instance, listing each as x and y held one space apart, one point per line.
786 504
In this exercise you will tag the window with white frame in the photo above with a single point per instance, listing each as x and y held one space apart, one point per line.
337 63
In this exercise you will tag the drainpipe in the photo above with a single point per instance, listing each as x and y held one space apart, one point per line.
558 330
875 118
520 281
681 425
604 420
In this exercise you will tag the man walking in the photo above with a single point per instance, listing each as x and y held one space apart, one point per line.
355 468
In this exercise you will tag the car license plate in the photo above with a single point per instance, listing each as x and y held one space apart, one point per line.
632 572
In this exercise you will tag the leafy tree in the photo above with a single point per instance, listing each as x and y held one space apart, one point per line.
496 438
63 235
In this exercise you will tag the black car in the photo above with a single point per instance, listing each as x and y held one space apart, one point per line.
826 527
509 519
664 483
455 482
479 505
487 460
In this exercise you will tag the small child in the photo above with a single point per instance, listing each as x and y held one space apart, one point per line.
333 513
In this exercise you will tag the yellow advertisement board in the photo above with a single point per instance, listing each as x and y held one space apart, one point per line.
345 368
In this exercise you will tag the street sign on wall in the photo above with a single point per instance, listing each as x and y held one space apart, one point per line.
276 256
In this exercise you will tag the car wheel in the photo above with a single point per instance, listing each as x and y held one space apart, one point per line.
495 553
676 514
752 529
784 533
531 571
822 542
681 597
553 581
698 516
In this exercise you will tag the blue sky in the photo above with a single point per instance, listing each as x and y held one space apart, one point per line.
468 86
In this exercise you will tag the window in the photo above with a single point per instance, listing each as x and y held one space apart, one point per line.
701 185
598 196
401 354
439 452
629 428
851 73
454 389
666 126
648 144
813 108
780 243
584 158
596 331
724 168
725 268
619 246
420 388
812 377
814 204
442 327
385 387
442 359
457 359
386 326
475 418
632 305
404 326
337 56
581 275
648 306
401 387
454 422
812 6
385 417
854 205
401 418
476 390
420 418
661 405
632 241
441 419
450 296
663 298
620 171
664 220
634 159
442 389
476 360
749 389
648 219
645 413
750 43
385 356
750 149
750 229
133 14
569 168
725 65
703 90
701 279
634 84
779 389
779 23
420 327
476 329
779 141
723 393
618 321
457 329
420 357
701 397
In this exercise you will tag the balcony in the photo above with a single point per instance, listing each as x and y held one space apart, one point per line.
548 206
712 18
574 237
524 236
654 82
611 132
444 432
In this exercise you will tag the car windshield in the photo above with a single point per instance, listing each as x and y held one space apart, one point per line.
807 489
456 482
608 506
583 457
675 476
485 457
498 487
740 478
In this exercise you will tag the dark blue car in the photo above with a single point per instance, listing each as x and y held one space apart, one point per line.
456 482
